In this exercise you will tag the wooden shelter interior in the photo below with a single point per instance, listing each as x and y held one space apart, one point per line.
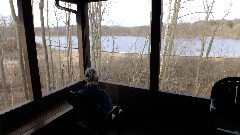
146 111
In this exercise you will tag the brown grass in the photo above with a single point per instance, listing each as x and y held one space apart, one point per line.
14 80
60 68
129 69
183 73
132 69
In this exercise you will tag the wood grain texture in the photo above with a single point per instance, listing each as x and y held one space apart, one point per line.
40 120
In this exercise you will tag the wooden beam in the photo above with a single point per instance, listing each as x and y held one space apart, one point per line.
1 127
25 54
155 45
83 1
30 53
43 119
85 31
80 43
83 37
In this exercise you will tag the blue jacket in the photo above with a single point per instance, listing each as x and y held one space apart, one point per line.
99 95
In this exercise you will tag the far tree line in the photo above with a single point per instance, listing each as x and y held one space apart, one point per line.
226 29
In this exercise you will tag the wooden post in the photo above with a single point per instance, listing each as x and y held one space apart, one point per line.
25 54
1 127
155 45
29 49
83 37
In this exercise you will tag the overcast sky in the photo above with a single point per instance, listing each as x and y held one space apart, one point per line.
137 12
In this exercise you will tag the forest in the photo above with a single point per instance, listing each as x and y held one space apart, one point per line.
226 29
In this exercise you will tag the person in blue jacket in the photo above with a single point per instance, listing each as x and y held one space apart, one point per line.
93 92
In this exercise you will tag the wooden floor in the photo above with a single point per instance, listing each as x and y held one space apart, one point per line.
68 127
126 131
56 120
122 129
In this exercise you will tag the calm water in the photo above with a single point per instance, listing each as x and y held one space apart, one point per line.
182 46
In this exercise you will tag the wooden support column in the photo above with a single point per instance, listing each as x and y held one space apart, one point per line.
1 127
25 54
83 37
155 44
29 48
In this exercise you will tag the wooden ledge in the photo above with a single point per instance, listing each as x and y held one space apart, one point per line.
42 119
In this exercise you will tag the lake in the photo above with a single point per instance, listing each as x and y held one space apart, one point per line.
182 46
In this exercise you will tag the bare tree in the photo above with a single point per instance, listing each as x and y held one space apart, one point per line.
20 51
50 46
213 36
166 37
208 10
95 16
2 68
69 44
61 80
41 5
177 5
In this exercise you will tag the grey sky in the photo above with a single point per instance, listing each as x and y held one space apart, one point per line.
137 12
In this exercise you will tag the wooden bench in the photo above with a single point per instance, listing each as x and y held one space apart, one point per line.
42 119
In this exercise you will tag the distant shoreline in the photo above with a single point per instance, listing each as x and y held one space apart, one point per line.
226 29
190 37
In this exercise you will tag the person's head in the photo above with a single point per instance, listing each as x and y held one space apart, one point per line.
91 76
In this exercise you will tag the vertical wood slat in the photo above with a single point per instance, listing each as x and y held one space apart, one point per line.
86 41
1 127
25 54
26 18
232 91
238 95
80 43
83 37
155 44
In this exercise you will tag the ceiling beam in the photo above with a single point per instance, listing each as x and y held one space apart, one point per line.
84 1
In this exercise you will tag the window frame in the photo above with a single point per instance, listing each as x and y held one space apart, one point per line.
30 52
39 102
156 23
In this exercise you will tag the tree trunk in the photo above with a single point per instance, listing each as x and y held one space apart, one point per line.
61 78
50 48
166 37
92 31
41 5
95 15
212 38
3 79
71 58
99 37
208 10
20 52
173 27
68 43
